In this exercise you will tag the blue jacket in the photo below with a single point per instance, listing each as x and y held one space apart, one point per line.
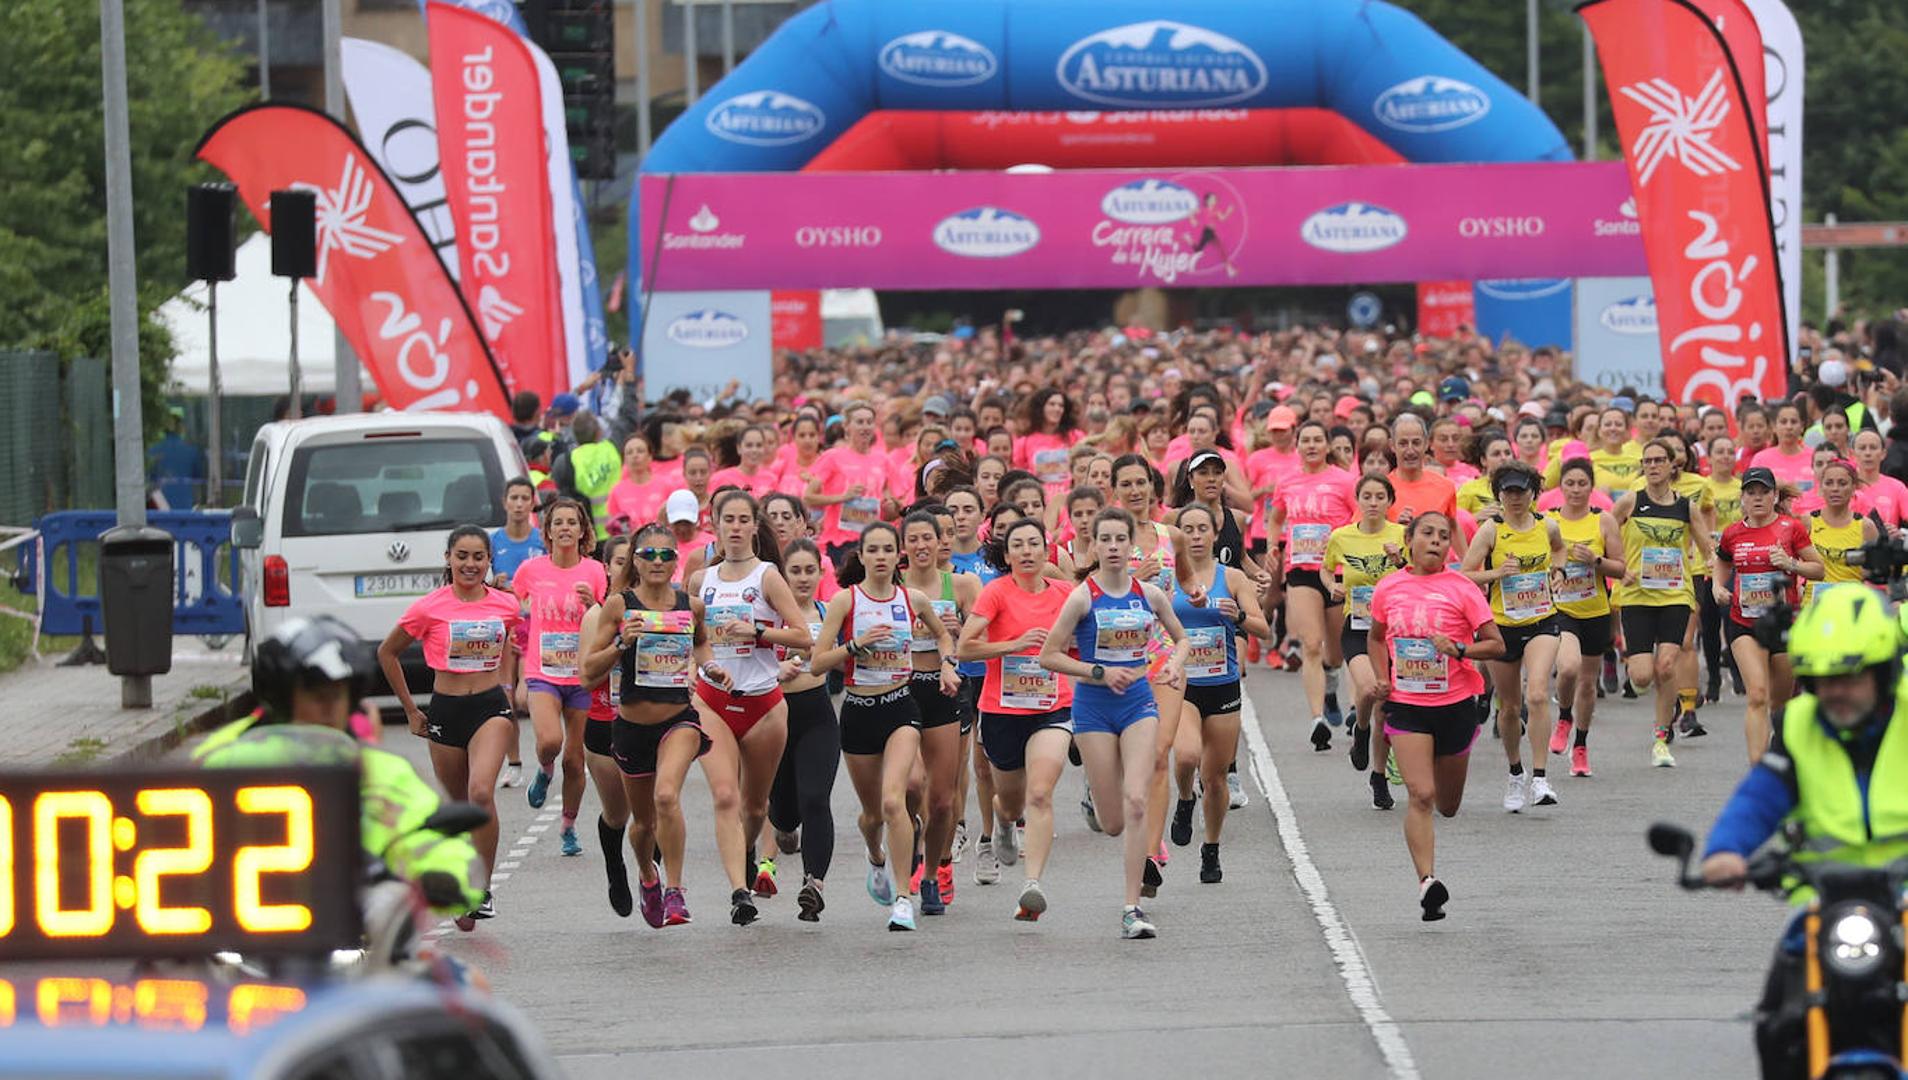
1768 794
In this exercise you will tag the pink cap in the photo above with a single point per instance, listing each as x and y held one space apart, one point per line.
1344 406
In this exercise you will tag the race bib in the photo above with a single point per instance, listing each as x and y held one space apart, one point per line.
1417 666
1359 615
663 660
925 642
1120 634
814 635
1024 684
1306 546
556 654
474 645
1662 568
730 642
860 512
1526 596
885 663
1756 593
1579 584
1207 657
1050 466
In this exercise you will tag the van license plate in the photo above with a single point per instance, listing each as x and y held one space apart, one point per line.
413 584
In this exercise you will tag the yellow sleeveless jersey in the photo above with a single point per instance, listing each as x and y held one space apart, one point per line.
1833 543
1524 597
1360 560
1655 542
1584 593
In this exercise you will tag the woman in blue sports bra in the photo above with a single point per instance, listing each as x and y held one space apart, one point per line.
1108 620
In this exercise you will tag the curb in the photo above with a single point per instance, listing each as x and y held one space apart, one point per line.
157 746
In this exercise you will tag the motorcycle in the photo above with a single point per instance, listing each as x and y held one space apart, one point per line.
1849 988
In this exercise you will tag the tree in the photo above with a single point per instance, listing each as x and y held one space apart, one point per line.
180 78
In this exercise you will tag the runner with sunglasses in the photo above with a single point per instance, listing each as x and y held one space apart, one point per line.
599 746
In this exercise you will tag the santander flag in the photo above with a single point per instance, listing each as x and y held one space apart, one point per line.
1696 165
378 274
490 140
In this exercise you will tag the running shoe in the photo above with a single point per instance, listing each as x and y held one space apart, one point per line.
539 789
1735 682
788 843
1541 793
986 865
1580 761
1020 835
1690 726
571 845
765 878
1007 845
1321 734
1392 775
1151 879
880 884
650 898
742 909
916 869
1134 927
944 877
1092 814
1236 797
1360 748
810 900
1660 755
675 908
1629 689
960 840
1608 684
1432 896
512 775
1209 871
901 915
1714 692
487 909
931 898
1560 736
1381 793
1334 715
1033 902
1517 793
620 900
1252 650
1182 822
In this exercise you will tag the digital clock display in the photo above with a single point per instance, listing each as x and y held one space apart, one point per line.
178 862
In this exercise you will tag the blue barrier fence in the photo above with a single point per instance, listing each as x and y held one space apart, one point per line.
203 603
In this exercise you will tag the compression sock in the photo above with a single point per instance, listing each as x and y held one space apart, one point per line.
1563 714
1536 772
1583 737
1517 769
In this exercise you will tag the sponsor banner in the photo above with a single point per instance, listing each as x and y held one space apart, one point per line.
1445 308
698 341
490 130
1617 344
390 95
1696 164
795 319
1128 228
378 274
1530 311
1782 71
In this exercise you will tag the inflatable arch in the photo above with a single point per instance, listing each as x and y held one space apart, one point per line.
833 64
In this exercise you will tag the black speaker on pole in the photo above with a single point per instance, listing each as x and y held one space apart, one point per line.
294 233
209 253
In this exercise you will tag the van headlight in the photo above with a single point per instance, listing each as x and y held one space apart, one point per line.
1852 945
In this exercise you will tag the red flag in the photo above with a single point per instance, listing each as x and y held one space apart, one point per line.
1737 25
378 274
490 142
1697 169
795 320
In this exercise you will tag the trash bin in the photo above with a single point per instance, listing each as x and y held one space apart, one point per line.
135 594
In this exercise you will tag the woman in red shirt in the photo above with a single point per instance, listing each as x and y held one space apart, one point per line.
1761 556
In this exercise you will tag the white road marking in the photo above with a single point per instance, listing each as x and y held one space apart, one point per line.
1353 969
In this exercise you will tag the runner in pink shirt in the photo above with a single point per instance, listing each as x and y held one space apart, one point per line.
1429 625
755 474
796 458
1051 432
1811 498
1267 466
638 496
1887 495
849 482
1788 459
1312 501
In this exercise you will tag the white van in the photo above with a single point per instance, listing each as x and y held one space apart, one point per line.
347 515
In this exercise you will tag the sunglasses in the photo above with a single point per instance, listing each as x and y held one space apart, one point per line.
1656 461
655 554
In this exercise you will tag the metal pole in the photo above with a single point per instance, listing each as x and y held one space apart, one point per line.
728 36
1589 96
642 79
214 437
347 392
1530 47
264 54
690 75
129 437
297 390
1831 276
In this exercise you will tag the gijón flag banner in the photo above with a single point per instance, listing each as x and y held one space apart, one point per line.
1696 166
378 274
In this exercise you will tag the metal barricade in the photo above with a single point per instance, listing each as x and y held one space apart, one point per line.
206 602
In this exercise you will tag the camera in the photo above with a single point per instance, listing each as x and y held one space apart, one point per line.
1884 561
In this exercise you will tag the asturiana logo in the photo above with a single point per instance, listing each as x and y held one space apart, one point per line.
938 58
765 118
1637 315
708 328
1353 228
986 232
1149 202
1160 64
1431 103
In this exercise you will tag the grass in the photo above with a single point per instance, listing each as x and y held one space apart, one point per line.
207 693
81 751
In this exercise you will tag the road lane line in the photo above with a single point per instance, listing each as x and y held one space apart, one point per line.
1353 969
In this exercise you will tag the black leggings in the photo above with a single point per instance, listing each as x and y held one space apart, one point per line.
806 778
1709 635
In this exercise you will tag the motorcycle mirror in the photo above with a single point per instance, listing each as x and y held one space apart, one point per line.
1671 840
454 818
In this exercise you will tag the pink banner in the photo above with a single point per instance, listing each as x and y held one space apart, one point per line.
1122 228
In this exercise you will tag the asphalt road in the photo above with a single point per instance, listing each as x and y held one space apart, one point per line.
1567 951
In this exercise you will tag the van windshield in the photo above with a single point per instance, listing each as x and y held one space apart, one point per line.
393 485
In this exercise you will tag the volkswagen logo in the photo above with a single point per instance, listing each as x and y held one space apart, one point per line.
399 551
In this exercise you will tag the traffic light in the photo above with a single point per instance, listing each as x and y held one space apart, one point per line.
580 36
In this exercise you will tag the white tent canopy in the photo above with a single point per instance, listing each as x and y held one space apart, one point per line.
254 333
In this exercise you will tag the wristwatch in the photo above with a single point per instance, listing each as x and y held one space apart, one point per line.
1462 649
1098 674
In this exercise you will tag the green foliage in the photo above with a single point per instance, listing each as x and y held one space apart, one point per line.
180 79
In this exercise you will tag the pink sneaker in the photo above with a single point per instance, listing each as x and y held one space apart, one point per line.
1580 761
675 908
944 875
1560 737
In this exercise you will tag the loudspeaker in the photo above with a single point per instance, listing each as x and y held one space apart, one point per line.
209 232
294 233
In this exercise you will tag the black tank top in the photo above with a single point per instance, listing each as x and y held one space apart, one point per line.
656 666
1229 547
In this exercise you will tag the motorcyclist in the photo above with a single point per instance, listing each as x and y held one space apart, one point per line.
1837 767
307 675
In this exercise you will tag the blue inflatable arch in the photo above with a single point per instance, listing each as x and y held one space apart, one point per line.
828 66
